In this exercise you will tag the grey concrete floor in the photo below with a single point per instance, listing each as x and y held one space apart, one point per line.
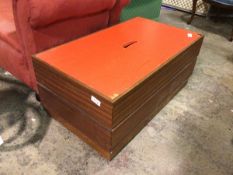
192 135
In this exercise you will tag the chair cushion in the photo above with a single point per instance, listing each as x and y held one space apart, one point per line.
7 25
44 12
224 2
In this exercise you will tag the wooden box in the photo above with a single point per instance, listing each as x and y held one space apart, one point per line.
107 86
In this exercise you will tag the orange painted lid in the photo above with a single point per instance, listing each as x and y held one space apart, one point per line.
114 60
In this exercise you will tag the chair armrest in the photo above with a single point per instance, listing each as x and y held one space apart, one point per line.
44 12
21 13
116 11
24 32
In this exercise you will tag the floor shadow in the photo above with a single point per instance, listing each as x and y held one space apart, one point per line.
23 120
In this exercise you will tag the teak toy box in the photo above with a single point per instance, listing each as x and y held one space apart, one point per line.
107 86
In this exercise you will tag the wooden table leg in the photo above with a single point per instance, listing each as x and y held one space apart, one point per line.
193 11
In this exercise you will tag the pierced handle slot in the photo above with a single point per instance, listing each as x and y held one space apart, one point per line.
129 44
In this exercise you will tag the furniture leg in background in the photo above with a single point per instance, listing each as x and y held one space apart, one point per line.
221 4
193 11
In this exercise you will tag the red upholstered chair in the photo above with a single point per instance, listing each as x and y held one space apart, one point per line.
30 26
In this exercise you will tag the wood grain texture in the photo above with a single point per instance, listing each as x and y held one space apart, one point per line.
76 120
152 105
73 92
144 110
150 85
107 143
110 126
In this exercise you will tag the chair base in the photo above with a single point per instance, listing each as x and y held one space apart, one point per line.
37 97
193 14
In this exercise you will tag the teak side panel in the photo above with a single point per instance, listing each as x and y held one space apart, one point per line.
109 127
121 109
149 110
74 93
77 120
165 93
96 136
